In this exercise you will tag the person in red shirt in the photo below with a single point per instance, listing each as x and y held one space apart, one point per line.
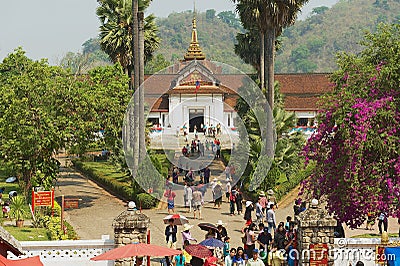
170 195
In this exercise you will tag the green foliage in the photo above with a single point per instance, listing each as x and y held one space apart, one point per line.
157 63
146 201
56 233
18 210
34 117
216 37
116 31
210 14
286 162
332 34
231 19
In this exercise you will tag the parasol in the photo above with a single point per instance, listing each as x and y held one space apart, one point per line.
198 251
135 250
207 226
212 243
32 261
178 219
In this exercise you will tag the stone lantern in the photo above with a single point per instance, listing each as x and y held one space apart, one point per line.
130 227
315 236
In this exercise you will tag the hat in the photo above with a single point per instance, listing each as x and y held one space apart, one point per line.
187 227
248 203
262 194
220 223
270 192
255 250
219 183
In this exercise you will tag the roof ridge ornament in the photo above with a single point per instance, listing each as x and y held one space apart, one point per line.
194 51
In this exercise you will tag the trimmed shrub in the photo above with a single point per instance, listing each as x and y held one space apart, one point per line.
146 201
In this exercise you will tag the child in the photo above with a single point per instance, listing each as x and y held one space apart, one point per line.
226 246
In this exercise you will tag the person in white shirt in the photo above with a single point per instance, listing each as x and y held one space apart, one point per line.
271 219
255 260
229 258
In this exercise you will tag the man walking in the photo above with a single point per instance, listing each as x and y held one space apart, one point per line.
255 260
271 219
197 202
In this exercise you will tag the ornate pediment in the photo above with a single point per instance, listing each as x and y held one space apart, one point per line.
193 72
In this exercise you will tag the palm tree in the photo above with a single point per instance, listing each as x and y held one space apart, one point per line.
116 31
269 17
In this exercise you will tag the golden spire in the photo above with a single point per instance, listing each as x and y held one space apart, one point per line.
194 50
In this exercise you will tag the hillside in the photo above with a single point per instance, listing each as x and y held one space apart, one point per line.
216 33
311 45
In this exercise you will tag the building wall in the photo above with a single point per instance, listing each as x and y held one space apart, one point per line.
179 107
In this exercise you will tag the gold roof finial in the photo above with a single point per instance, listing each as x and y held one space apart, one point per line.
194 50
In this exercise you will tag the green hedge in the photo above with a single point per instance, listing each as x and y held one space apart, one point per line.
146 201
282 189
105 175
226 156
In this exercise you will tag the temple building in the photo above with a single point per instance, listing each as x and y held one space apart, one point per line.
196 92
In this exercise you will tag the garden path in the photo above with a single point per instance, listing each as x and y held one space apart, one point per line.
98 208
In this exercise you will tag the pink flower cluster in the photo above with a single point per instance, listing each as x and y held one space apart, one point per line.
357 149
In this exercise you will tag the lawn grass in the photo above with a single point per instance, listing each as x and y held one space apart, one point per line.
372 235
109 171
27 233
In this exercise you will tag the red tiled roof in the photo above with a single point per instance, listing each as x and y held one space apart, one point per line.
299 103
301 90
304 83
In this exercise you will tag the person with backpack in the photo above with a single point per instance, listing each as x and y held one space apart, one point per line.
382 219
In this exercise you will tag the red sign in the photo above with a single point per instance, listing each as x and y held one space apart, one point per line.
42 198
318 254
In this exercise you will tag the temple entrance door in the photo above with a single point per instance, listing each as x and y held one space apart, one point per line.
196 118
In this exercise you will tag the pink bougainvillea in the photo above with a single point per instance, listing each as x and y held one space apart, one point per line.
357 144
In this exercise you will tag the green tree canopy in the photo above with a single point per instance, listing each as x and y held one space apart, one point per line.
357 143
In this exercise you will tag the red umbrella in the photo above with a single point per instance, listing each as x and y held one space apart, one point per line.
135 250
178 219
32 261
198 251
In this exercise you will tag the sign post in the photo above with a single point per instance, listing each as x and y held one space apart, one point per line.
43 198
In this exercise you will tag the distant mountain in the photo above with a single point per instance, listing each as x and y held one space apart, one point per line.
311 45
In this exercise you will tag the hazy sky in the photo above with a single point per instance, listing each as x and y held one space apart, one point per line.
50 28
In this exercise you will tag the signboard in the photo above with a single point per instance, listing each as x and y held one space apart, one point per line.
71 203
318 254
42 198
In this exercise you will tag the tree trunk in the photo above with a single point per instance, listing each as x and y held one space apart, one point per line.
142 118
262 60
135 53
269 82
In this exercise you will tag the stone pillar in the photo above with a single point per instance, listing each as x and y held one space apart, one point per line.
130 227
315 227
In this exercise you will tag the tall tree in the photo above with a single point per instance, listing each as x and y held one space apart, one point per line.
357 143
269 17
116 31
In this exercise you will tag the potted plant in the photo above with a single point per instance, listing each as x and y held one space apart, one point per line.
18 211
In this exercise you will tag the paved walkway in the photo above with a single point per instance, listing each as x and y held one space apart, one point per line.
98 208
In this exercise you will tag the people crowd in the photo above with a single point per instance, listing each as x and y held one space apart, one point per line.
264 241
